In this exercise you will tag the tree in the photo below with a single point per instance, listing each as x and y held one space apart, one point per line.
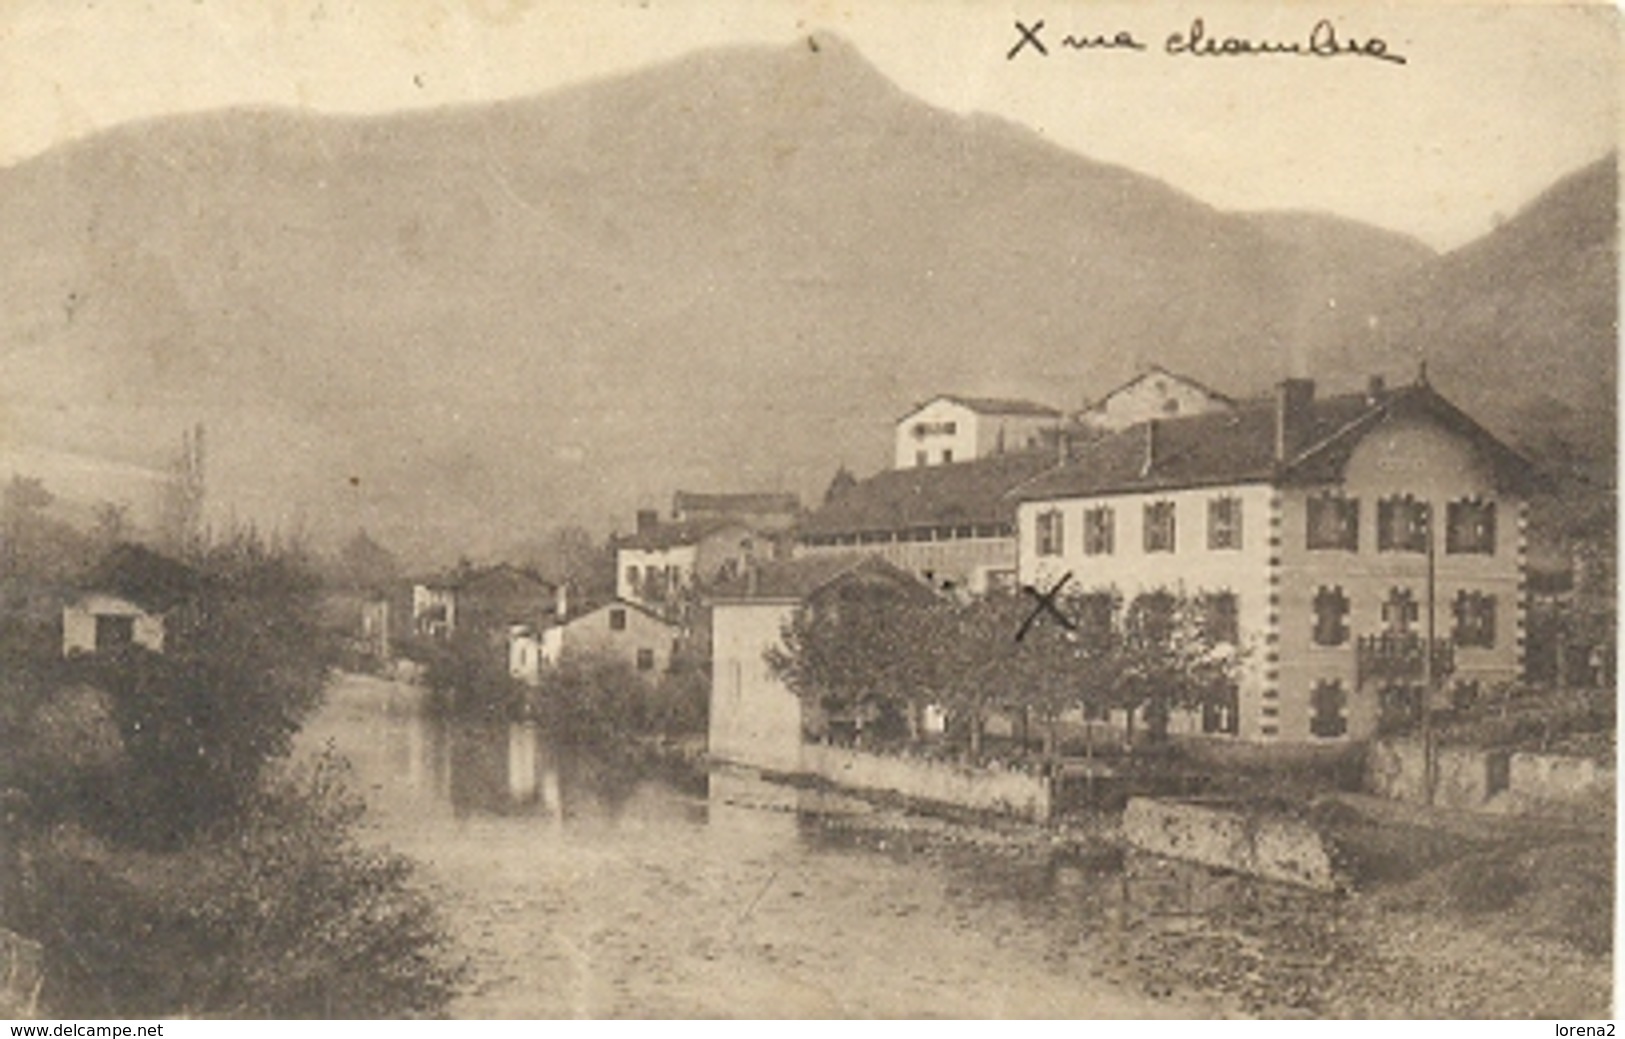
861 659
364 563
243 665
112 523
865 659
1168 659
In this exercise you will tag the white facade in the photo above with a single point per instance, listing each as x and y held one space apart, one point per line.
434 610
638 568
1190 569
754 718
619 629
1154 394
1302 607
99 622
947 430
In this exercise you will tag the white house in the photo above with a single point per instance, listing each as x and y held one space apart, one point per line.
950 429
660 563
98 622
1306 527
620 630
755 719
127 601
1155 393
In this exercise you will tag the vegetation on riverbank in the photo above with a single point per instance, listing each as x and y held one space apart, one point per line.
156 843
588 699
867 667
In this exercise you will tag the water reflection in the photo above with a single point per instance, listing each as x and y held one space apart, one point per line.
585 887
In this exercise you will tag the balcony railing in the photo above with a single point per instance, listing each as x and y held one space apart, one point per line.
1399 657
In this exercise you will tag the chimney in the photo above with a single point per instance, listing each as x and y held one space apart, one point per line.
1150 448
561 602
1294 400
1375 387
648 520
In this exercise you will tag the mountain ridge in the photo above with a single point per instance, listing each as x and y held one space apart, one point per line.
460 327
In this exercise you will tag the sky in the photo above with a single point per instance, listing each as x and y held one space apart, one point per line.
1492 104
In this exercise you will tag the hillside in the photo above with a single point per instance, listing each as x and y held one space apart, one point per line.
1521 326
460 327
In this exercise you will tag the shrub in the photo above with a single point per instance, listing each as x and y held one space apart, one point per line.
282 914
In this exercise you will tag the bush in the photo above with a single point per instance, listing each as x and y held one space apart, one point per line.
468 677
281 915
598 700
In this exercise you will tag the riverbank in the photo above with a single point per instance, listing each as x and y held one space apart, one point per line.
584 887
1502 921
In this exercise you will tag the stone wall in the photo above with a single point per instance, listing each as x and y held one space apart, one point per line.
1476 780
1005 793
1231 836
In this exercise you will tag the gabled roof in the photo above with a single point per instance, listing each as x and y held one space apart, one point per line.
680 532
1153 371
990 406
1238 446
621 603
744 503
145 578
955 494
796 580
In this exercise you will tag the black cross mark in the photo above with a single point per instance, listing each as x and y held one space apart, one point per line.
1028 36
1046 604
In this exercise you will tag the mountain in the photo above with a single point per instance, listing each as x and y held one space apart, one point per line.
1520 327
462 326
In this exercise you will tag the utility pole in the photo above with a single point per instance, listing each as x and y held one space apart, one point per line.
1428 752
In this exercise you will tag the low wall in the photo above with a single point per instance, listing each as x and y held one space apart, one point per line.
1557 778
1484 780
1005 793
1234 837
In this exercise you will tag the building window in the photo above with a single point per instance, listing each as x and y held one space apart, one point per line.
1475 620
1221 617
1094 613
1331 617
1099 531
947 455
617 619
632 577
1326 718
1334 523
1470 528
1051 532
1159 526
1224 523
646 660
1400 612
1402 525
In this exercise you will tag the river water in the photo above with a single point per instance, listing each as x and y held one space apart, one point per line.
579 891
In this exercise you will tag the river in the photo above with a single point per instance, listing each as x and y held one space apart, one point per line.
579 891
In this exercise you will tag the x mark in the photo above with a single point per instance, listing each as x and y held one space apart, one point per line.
1046 603
1028 36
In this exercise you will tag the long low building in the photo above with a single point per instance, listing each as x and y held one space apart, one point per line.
951 525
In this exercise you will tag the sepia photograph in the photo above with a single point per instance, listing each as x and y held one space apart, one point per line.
775 509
